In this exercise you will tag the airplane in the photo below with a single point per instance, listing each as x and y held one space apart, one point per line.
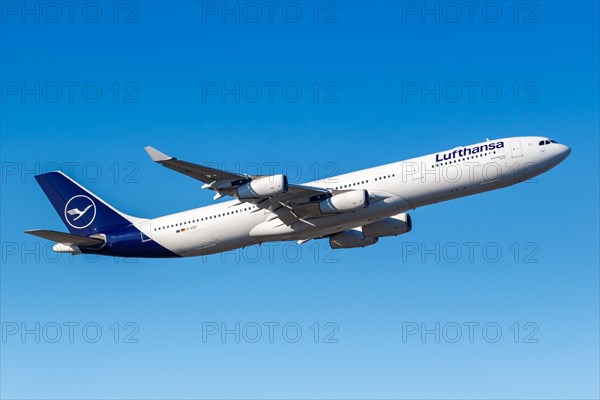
350 210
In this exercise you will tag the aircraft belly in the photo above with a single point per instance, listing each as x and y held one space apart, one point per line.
276 229
224 236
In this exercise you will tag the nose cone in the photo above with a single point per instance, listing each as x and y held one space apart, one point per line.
564 152
557 154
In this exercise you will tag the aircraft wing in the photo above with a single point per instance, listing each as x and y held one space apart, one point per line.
295 204
67 238
200 172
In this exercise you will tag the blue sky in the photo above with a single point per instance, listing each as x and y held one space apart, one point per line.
347 85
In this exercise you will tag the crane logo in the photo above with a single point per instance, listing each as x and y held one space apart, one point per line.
80 211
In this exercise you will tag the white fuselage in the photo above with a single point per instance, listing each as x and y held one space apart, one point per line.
400 186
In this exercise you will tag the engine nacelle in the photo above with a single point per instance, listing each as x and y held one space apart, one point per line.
392 226
345 202
350 239
266 186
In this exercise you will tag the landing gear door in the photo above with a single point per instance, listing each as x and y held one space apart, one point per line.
515 149
146 231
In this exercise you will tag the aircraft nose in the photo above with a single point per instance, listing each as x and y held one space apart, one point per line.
564 152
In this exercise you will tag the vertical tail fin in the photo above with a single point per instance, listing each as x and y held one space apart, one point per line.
82 212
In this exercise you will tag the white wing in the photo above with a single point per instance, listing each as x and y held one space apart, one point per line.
298 203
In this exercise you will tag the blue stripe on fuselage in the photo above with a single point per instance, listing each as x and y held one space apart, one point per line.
125 241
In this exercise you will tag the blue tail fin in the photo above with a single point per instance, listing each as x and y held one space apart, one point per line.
82 212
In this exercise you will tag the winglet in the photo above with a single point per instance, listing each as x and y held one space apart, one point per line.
156 155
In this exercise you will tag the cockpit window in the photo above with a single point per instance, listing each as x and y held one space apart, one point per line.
541 143
553 141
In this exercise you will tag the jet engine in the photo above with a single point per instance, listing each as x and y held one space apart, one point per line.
392 226
266 186
345 202
350 239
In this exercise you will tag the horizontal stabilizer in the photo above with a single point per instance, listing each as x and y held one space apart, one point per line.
67 238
